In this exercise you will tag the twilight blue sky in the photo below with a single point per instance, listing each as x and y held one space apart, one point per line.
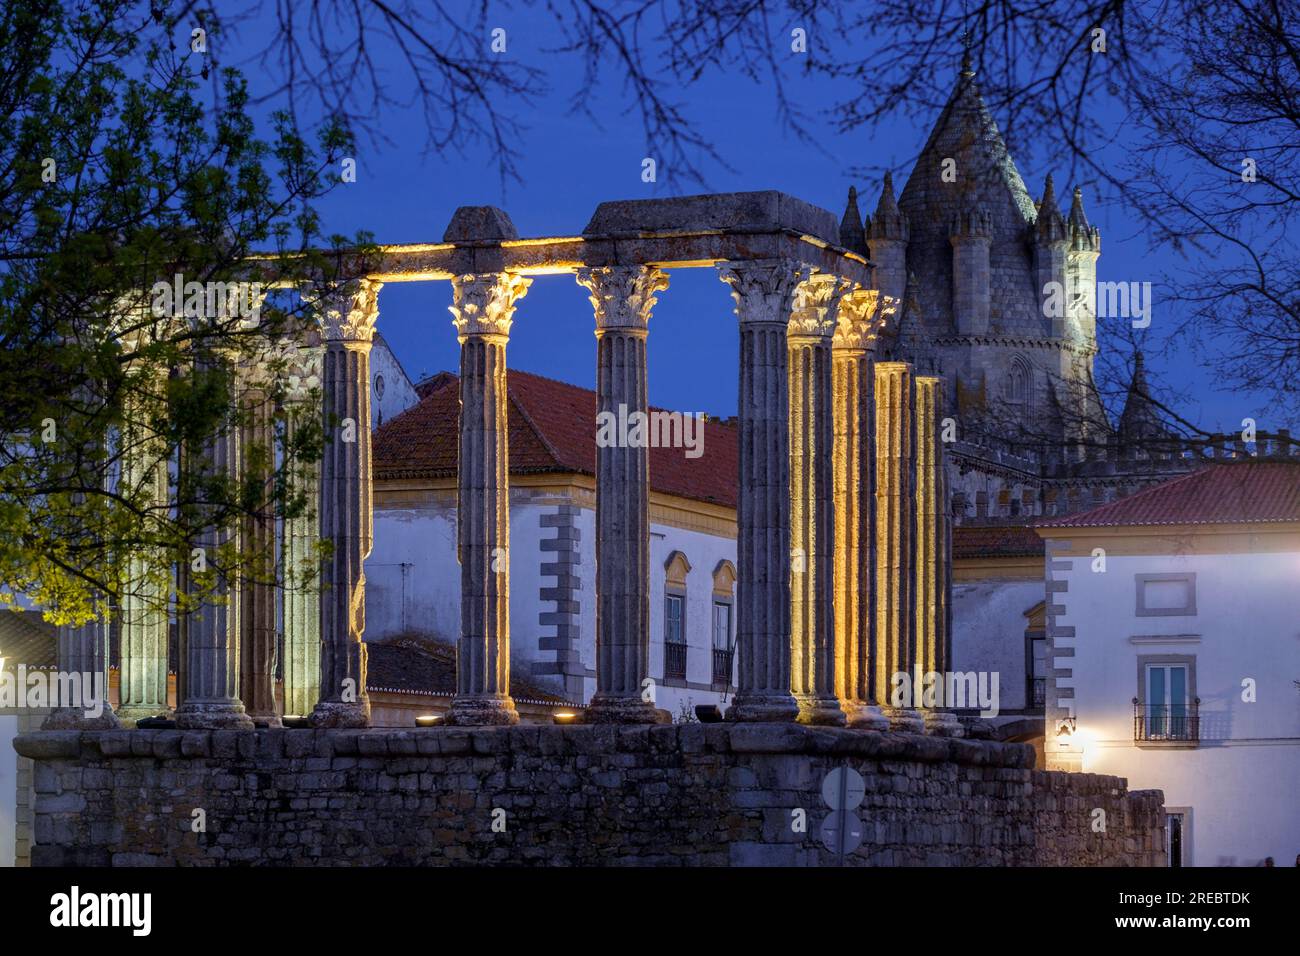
569 164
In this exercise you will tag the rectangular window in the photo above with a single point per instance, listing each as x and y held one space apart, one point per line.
675 637
1167 702
673 633
1166 595
721 627
722 648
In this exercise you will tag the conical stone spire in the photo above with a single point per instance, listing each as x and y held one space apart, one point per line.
1139 421
1051 225
889 221
852 234
1083 237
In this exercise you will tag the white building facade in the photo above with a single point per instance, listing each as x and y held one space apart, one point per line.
1173 629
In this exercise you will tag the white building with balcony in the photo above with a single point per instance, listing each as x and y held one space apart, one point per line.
1173 647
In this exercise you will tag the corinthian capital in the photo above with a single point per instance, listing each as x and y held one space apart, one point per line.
623 296
763 289
815 303
346 310
484 304
301 369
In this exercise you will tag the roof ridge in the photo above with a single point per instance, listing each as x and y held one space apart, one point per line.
528 420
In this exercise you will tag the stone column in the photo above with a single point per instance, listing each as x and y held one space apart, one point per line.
142 689
346 312
895 528
623 297
812 503
483 307
211 671
933 559
257 539
83 650
853 455
763 291
301 535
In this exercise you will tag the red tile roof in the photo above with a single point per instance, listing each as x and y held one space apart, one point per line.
995 541
1247 492
552 430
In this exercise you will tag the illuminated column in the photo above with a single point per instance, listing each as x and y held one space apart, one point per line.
763 291
933 562
210 697
301 535
623 297
483 306
812 504
257 633
895 528
853 384
346 312
142 689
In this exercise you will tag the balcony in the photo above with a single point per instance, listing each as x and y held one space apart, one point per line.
674 661
722 666
1166 724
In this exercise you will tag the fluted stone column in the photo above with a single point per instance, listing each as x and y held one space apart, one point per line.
933 559
853 384
83 650
211 670
346 312
623 297
257 537
142 688
812 503
483 307
763 291
301 536
895 529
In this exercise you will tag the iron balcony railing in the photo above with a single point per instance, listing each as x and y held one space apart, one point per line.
722 665
674 661
1039 692
1167 721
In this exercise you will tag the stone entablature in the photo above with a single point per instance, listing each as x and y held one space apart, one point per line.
684 795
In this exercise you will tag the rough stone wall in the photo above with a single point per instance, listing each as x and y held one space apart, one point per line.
688 794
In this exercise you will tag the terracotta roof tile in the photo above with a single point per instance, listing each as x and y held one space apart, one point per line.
1247 492
552 430
995 541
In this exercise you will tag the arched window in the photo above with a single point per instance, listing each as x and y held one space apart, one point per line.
1020 378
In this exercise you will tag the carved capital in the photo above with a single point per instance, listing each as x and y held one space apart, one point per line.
302 369
763 289
816 300
484 304
622 296
346 310
863 314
